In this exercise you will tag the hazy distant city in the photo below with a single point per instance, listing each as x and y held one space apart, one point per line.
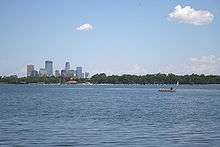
48 71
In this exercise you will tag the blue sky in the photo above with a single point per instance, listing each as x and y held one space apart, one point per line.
126 36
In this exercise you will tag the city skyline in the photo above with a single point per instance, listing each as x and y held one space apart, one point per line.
48 70
114 37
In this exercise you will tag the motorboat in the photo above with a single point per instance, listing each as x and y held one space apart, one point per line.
167 90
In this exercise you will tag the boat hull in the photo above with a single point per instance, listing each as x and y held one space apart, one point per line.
167 90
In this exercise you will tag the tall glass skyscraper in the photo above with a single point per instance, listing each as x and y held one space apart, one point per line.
67 66
30 69
42 72
49 68
79 72
57 73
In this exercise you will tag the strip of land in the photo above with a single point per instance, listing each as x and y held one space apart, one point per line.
117 79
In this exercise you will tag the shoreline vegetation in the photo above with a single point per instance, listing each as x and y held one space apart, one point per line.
117 79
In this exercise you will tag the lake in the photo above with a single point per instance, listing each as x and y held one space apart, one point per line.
109 115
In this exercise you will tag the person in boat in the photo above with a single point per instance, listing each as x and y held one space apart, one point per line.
171 88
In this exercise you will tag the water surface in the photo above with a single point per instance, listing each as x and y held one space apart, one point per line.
109 115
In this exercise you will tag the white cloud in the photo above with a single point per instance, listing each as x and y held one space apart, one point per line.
85 27
205 64
191 16
208 64
137 69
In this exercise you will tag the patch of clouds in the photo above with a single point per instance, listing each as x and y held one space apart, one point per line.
170 68
119 69
205 64
189 15
136 69
209 64
85 27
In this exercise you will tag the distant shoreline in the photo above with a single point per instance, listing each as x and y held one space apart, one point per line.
100 84
156 79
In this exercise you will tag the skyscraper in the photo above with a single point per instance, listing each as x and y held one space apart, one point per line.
42 72
30 68
67 66
57 73
86 75
63 73
82 76
34 73
71 73
79 72
49 68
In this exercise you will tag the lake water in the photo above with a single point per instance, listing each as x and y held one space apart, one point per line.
109 115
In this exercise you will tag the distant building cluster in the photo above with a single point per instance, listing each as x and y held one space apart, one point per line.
47 71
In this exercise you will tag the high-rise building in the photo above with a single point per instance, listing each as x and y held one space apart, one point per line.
30 68
82 76
42 72
79 72
67 66
86 75
71 73
57 73
63 73
34 73
49 68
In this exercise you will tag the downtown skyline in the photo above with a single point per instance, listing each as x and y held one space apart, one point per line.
49 71
114 37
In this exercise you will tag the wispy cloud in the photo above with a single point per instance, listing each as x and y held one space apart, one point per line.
208 64
205 64
85 27
191 16
137 69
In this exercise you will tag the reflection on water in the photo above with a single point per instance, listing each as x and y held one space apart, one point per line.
108 115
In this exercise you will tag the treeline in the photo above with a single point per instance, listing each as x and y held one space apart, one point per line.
27 80
123 79
39 80
155 79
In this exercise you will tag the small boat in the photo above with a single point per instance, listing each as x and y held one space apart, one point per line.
167 90
170 89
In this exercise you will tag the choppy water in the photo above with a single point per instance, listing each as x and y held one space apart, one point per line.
108 115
